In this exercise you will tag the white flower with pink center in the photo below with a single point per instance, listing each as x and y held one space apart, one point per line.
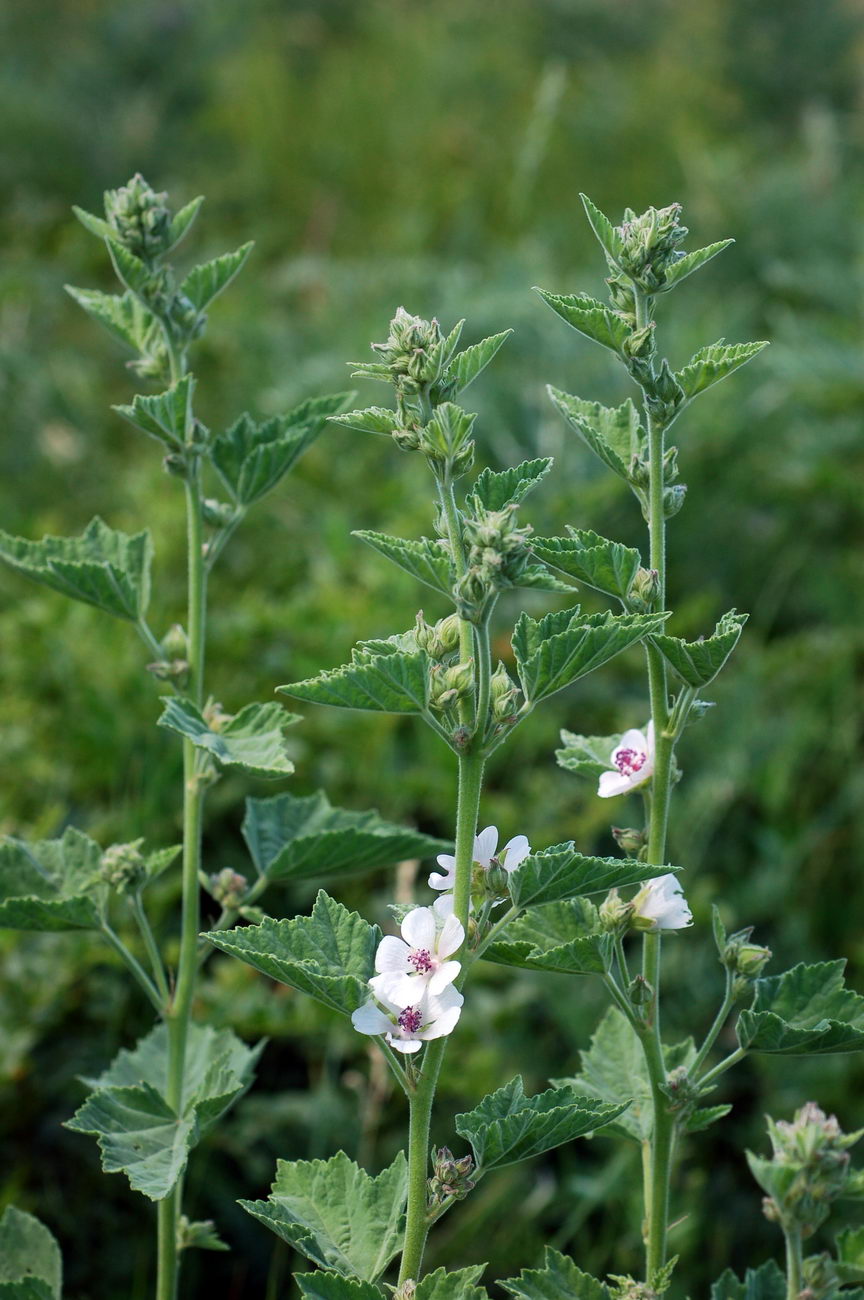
407 1028
486 853
633 762
420 960
661 905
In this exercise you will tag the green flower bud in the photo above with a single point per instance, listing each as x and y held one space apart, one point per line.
451 1178
123 866
229 888
640 991
673 499
644 591
503 694
175 643
615 913
140 218
630 840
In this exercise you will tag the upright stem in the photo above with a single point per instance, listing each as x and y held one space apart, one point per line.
794 1265
180 1008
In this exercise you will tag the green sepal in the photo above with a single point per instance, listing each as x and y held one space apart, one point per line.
330 955
206 282
123 315
166 416
698 662
712 363
426 560
558 1279
467 365
252 741
691 262
507 1126
494 489
374 419
613 1070
560 872
292 838
30 1264
556 650
378 680
563 937
763 1283
102 567
460 1285
587 756
138 1133
805 1010
607 235
606 566
590 317
333 1286
612 433
251 458
336 1215
52 884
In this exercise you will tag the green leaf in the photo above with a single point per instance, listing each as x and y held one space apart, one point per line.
538 578
374 419
467 365
613 433
589 317
507 1126
130 270
559 873
330 955
588 756
385 683
52 884
425 560
124 316
494 489
29 1258
558 1279
763 1283
96 225
293 838
691 262
167 416
606 566
850 1255
102 567
564 937
698 1120
712 363
252 741
805 1010
557 650
607 235
199 1234
182 221
332 1286
336 1215
698 662
614 1071
442 1285
139 1134
206 282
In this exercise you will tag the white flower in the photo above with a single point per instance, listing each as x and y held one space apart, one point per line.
419 960
485 852
661 905
633 761
407 1028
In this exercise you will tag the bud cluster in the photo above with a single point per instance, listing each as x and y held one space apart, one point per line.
173 664
745 960
451 1178
497 555
140 219
229 888
123 866
649 245
809 1169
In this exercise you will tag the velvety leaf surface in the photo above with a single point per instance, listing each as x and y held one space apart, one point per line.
165 416
606 566
206 282
425 560
51 884
712 363
698 662
252 741
29 1257
563 937
558 1279
562 647
384 683
590 317
467 365
332 1286
461 1285
494 489
764 1283
612 433
807 1009
560 872
691 262
587 756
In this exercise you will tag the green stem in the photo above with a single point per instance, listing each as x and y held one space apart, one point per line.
138 911
484 678
135 967
732 1059
794 1265
719 1021
416 1219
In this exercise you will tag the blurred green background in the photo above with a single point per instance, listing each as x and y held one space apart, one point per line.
432 154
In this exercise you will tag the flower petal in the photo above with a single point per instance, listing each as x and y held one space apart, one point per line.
418 928
404 1045
370 1019
399 990
514 852
485 845
612 783
444 1024
452 935
437 881
392 954
444 975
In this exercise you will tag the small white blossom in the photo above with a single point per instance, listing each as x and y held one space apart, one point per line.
407 1028
485 853
419 960
633 762
660 905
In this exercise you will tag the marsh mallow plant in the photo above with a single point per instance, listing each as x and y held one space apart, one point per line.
544 908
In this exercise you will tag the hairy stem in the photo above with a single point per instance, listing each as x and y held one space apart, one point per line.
794 1265
133 964
719 1021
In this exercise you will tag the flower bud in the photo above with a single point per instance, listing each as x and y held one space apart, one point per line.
215 716
639 991
808 1168
644 591
640 343
171 670
229 888
630 840
175 643
615 913
503 692
176 465
140 218
451 1178
218 514
407 1291
123 866
673 499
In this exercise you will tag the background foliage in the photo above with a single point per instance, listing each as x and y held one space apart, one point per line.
388 152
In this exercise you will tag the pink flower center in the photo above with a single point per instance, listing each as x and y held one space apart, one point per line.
410 1020
629 761
421 959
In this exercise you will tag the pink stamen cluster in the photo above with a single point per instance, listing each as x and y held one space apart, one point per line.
421 960
629 761
410 1019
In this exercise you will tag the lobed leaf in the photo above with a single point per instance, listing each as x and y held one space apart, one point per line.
589 317
587 756
698 662
386 683
712 363
557 650
612 433
52 884
807 1009
764 1283
558 1279
166 416
123 315
606 566
691 262
330 955
494 489
290 838
131 271
206 282
332 1286
374 419
426 560
336 1215
467 365
563 937
252 741
507 1126
102 567
30 1262
460 1285
558 873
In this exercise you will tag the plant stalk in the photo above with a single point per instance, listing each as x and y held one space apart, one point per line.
794 1265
